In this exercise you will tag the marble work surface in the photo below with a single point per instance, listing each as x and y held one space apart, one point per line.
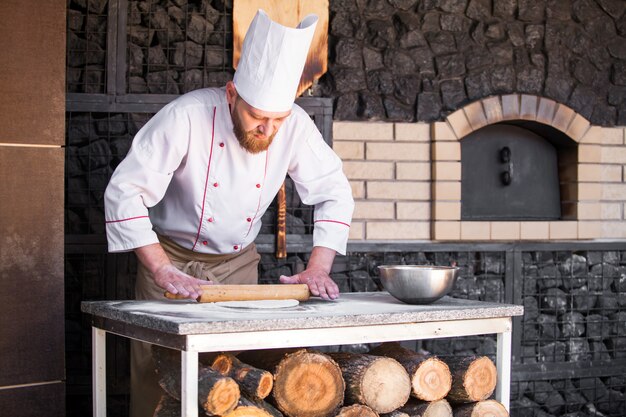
182 317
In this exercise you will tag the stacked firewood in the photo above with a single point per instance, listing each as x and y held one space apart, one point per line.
388 381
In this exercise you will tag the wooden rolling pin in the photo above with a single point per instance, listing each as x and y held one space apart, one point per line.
214 293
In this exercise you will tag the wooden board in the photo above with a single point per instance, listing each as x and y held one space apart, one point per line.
288 13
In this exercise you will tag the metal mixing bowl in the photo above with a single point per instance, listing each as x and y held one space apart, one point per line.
418 284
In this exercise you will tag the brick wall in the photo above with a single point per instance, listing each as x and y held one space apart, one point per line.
406 177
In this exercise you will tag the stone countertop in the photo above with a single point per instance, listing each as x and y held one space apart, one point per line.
187 317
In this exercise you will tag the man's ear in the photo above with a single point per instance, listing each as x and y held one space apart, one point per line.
231 92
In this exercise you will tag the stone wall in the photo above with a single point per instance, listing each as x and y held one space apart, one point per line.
439 55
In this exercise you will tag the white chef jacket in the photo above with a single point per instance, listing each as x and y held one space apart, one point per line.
186 177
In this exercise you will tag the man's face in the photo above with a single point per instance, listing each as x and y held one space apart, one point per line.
255 129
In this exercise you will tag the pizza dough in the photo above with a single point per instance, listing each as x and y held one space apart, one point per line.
258 304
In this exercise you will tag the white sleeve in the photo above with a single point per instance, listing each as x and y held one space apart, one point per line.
141 179
319 179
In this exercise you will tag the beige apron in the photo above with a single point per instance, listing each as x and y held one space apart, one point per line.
239 268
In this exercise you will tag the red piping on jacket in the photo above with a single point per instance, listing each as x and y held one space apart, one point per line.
332 221
123 220
206 181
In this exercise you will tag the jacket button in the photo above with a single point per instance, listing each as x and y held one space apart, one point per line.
248 219
210 220
204 242
221 144
235 247
258 186
215 184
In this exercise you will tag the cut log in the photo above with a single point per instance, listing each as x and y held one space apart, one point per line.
430 377
217 394
487 408
257 383
395 413
253 407
473 379
417 408
306 383
379 382
356 410
167 407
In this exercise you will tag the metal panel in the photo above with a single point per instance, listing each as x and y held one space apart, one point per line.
31 265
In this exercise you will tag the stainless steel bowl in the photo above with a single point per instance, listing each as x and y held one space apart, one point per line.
418 284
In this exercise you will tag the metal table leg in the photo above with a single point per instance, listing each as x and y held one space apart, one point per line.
98 364
189 383
503 363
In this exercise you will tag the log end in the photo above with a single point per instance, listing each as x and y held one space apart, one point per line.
480 379
440 408
266 383
223 364
308 384
223 397
432 380
248 411
356 410
489 408
386 385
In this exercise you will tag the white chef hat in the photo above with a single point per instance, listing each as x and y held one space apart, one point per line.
272 60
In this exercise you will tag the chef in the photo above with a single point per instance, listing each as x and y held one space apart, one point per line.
189 196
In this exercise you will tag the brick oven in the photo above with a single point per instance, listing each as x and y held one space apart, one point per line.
397 105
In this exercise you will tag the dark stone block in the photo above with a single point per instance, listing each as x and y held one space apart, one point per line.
583 100
585 10
534 35
348 6
584 72
431 22
192 80
412 39
198 28
186 54
600 28
372 106
342 25
403 4
453 6
453 93
380 34
347 107
615 8
621 115
455 23
503 79
373 59
428 106
477 59
347 80
621 25
449 66
617 48
348 53
375 9
406 89
515 31
531 10
479 9
398 111
558 9
501 54
558 87
163 82
441 43
409 21
495 32
504 9
215 57
478 85
551 352
380 82
399 62
530 80
423 58
618 73
478 34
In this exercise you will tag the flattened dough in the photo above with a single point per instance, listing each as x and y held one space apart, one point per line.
259 304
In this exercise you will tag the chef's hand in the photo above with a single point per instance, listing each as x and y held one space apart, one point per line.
319 282
175 281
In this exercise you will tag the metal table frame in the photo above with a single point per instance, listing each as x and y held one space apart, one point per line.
191 345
